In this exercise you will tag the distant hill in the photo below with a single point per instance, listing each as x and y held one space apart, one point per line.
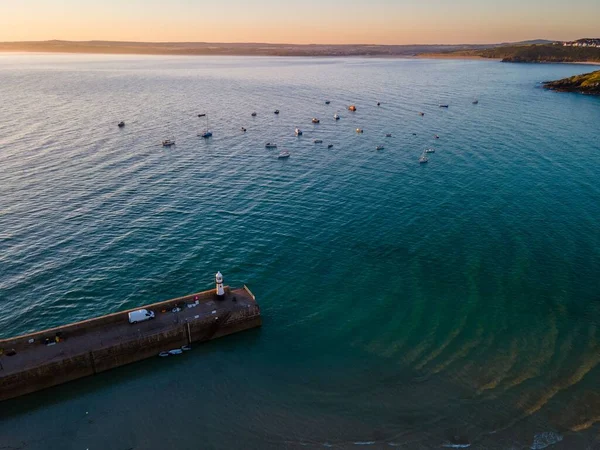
588 83
514 52
529 42
543 53
532 53
247 49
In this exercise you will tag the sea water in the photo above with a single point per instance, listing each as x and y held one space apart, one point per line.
405 305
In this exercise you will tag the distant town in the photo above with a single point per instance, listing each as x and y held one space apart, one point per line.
587 42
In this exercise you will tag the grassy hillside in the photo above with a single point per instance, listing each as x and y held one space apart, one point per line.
588 83
542 53
530 53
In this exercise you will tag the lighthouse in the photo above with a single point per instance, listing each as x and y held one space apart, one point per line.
219 290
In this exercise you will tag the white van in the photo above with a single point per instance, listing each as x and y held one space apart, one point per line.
140 315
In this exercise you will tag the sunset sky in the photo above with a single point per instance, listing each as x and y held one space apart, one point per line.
306 21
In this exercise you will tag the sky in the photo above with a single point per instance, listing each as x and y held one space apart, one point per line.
300 21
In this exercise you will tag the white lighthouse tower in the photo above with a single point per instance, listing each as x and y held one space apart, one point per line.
219 280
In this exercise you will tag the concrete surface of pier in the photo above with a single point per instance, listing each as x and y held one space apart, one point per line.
39 360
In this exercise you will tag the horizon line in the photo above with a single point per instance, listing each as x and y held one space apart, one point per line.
279 43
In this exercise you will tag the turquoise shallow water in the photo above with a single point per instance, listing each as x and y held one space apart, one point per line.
405 305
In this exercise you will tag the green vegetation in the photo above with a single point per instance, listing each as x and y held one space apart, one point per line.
588 83
531 53
542 53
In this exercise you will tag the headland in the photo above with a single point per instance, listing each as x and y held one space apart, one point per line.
588 83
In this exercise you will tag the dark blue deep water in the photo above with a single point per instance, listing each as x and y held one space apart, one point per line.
410 306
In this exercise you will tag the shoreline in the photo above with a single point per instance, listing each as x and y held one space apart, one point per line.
246 55
477 57
448 56
240 54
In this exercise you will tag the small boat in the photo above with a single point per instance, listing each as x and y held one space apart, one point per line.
327 102
298 132
430 150
121 124
330 146
253 114
359 130
423 159
414 134
443 106
379 147
436 136
243 129
163 354
270 145
186 348
388 135
315 120
206 133
284 155
421 114
175 351
336 116
168 142
276 111
351 108
378 104
475 101
318 141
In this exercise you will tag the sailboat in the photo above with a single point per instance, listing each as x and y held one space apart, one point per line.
206 133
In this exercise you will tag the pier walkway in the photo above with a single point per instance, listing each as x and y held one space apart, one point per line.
95 345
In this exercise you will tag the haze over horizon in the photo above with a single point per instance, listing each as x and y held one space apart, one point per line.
311 22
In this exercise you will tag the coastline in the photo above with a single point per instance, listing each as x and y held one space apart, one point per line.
253 50
449 56
477 57
587 83
312 55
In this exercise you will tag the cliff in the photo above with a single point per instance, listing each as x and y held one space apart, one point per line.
588 83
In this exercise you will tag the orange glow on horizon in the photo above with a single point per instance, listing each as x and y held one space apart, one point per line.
317 22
